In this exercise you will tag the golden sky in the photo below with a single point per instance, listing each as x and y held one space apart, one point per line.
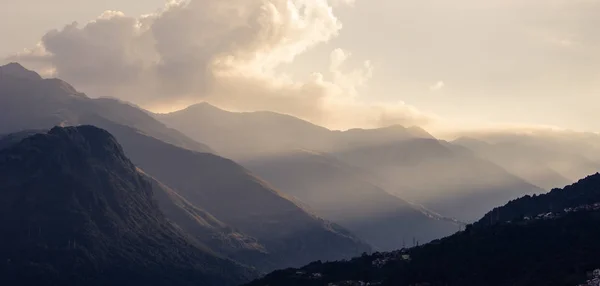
340 63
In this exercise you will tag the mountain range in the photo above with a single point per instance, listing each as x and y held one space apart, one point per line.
243 217
96 191
247 135
406 162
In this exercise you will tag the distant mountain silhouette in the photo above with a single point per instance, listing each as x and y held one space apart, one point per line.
573 155
28 102
542 166
408 162
15 71
556 250
348 196
245 135
75 211
443 177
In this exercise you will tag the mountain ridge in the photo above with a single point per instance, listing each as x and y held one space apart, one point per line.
31 102
268 133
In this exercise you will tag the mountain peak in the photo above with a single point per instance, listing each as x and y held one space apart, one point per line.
74 144
93 136
18 71
202 106
420 132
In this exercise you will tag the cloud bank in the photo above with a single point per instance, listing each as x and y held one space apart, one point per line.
226 52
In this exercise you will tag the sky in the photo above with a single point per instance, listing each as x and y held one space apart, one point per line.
338 63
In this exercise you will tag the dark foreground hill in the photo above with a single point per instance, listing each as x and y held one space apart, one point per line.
546 252
556 249
75 211
584 193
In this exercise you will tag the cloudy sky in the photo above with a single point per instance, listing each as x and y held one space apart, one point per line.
339 63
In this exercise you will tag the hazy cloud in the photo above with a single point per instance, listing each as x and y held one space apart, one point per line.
224 52
437 86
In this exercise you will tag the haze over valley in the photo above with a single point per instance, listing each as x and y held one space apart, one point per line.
296 142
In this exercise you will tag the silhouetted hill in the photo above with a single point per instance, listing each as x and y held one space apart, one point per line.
17 71
246 135
290 235
75 211
443 177
28 102
584 192
558 249
548 252
348 196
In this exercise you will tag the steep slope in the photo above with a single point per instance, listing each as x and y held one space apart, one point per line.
247 135
448 179
208 230
75 211
584 192
552 250
347 196
28 102
291 236
202 226
532 164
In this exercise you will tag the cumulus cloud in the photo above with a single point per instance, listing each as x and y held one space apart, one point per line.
227 52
